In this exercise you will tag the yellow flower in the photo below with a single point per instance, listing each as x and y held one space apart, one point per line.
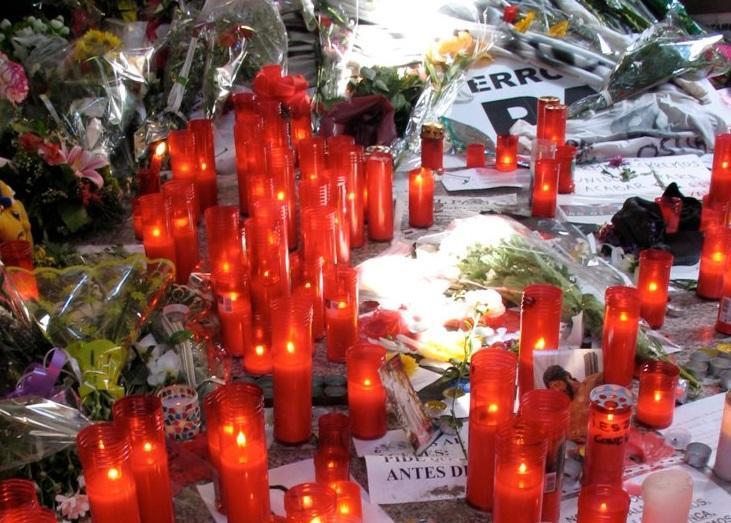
559 30
95 43
524 24
409 364
448 49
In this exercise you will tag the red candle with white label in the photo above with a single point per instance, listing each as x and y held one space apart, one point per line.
347 495
366 394
619 338
104 453
540 326
656 398
205 179
475 154
179 201
720 190
653 281
341 310
309 503
506 153
713 262
565 155
543 102
603 504
156 231
379 180
141 419
421 198
545 188
332 459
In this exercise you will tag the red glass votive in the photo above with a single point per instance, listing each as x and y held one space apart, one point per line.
244 103
211 404
247 130
547 411
432 146
652 282
720 190
312 160
712 215
17 253
275 128
179 201
339 200
545 188
292 358
183 154
670 209
258 360
366 394
28 515
337 148
356 178
565 155
272 214
104 453
713 262
656 397
421 198
603 504
156 231
235 314
554 128
379 180
341 310
475 155
492 396
314 191
148 181
158 150
520 463
258 187
319 234
348 499
140 418
280 165
506 153
205 179
609 423
17 493
313 282
225 249
543 102
301 128
332 459
244 468
619 338
540 325
309 503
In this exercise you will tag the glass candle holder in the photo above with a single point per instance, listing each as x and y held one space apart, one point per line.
181 411
656 398
652 282
348 499
353 165
432 146
565 155
313 282
337 149
545 188
667 496
301 128
543 102
17 253
244 103
712 215
379 180
540 326
157 234
104 453
292 358
211 404
246 130
179 200
148 181
275 128
547 412
280 165
272 214
183 154
205 178
339 201
28 515
475 155
670 208
520 463
722 466
619 337
554 127
225 249
421 198
244 468
319 234
17 493
315 191
312 156
158 151
723 319
332 459
492 395
259 360
309 503
366 394
608 432
341 310
603 504
506 153
720 189
141 419
713 262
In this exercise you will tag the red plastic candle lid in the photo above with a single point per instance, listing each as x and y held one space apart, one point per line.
611 397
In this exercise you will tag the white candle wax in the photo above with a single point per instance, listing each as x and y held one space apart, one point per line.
666 496
722 468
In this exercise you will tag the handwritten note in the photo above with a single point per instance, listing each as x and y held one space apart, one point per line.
484 178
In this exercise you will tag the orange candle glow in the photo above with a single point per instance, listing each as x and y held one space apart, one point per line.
309 503
656 398
341 310
506 153
366 394
348 502
156 230
545 188
713 262
158 155
421 198
652 282
720 190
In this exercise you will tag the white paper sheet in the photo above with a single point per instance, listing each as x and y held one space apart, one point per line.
480 178
395 443
702 419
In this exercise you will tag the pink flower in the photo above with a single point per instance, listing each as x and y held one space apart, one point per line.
72 507
84 164
13 81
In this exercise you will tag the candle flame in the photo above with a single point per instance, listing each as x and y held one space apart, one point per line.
113 474
290 347
342 305
203 166
156 232
228 429
316 519
160 149
181 223
507 160
546 187
147 446
492 409
344 508
367 382
658 396
418 178
241 440
308 285
652 287
623 316
331 465
259 350
724 165
522 469
101 445
307 501
351 196
717 257
610 417
540 344
226 267
280 196
603 507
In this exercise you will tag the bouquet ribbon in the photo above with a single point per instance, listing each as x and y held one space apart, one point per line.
39 380
291 90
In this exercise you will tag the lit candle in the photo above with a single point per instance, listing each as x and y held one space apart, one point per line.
140 418
211 404
555 124
235 315
205 178
565 155
545 188
722 467
670 209
247 130
520 462
301 128
432 146
332 459
379 181
667 496
341 310
506 153
619 338
492 395
315 191
339 201
313 282
475 154
183 156
720 190
311 156
244 468
540 326
179 201
713 262
603 504
421 198
271 240
280 166
17 493
258 360
158 155
712 215
608 432
225 249
652 282
105 457
309 503
354 168
319 234
259 186
28 515
543 102
366 394
347 495
156 231
656 398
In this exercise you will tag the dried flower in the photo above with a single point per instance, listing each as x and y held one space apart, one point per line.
13 81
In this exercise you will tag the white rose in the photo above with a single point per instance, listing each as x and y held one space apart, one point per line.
5 23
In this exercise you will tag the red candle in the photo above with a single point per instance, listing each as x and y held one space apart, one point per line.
545 188
235 315
319 234
713 262
275 129
337 149
292 357
347 495
225 249
104 453
309 503
16 494
475 155
259 360
432 146
379 180
315 191
272 214
543 102
341 310
520 462
366 394
656 398
247 129
565 158
356 177
540 325
313 282
244 103
609 421
280 165
258 187
179 201
339 200
211 404
619 338
554 128
28 515
244 468
421 198
712 215
140 418
205 179
603 504
301 128
547 412
156 231
159 149
332 459
652 282
183 155
492 395
720 190
148 181
506 153
670 209
311 156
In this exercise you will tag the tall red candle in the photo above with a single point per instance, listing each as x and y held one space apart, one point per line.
319 234
179 201
712 215
156 231
492 395
347 495
104 453
312 156
565 155
211 404
332 459
235 315
379 180
656 398
543 102
225 249
555 124
17 493
506 153
244 103
619 338
652 282
273 213
280 164
341 310
713 262
432 146
545 188
158 150
205 179
183 155
309 503
258 187
337 149
339 201
366 394
356 210
520 462
720 190
259 358
475 154
609 422
421 198
141 419
315 191
540 325
247 130
275 128
313 282
603 504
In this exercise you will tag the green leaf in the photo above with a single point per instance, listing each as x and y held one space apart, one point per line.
180 337
367 73
73 216
381 85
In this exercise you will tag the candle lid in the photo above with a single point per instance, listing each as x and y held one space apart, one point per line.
611 397
697 455
432 130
